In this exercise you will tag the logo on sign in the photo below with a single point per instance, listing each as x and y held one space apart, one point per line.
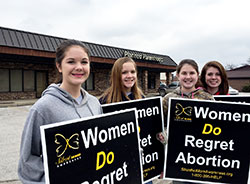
64 145
183 113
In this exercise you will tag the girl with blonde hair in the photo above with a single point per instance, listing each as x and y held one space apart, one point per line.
123 82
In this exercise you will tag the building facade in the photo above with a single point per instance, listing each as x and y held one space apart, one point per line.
27 65
239 77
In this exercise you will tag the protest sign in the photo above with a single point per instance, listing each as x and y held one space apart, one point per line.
208 141
233 98
96 150
150 119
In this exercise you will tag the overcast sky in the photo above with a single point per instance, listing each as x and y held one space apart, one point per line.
202 30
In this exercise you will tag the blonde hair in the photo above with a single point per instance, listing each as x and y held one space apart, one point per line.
116 90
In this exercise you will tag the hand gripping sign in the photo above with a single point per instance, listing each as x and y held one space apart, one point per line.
96 150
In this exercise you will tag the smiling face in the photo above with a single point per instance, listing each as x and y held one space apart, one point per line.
188 77
128 75
75 67
213 78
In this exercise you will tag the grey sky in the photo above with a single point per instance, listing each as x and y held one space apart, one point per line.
203 30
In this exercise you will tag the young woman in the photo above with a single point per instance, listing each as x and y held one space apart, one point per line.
123 82
59 102
187 73
214 78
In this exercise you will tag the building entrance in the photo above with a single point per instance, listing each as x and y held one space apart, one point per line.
41 82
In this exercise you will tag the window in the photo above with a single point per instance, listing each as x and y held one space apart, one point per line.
28 80
15 80
4 80
89 83
151 81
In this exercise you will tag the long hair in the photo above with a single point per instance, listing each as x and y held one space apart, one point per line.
116 90
223 88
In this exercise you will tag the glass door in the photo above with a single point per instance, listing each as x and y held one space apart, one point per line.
41 82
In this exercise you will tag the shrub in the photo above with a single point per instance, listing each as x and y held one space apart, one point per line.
246 88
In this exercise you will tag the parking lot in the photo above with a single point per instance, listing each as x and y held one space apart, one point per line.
12 121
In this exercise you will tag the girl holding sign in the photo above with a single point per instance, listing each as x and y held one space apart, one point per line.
59 102
123 82
187 73
124 85
214 78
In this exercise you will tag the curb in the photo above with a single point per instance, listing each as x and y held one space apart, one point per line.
15 103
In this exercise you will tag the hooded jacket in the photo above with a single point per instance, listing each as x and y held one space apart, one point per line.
196 94
55 105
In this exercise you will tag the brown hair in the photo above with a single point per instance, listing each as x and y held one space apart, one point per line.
223 88
189 62
63 48
65 45
116 90
193 64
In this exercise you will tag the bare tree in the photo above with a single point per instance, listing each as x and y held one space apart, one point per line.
248 61
233 66
230 66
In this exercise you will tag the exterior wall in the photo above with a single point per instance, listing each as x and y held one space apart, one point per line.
169 77
157 82
145 82
51 76
17 95
101 79
141 80
238 83
239 77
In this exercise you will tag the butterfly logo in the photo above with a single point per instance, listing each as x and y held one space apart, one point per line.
72 142
180 109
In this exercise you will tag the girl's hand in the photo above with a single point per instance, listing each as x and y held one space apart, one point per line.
162 137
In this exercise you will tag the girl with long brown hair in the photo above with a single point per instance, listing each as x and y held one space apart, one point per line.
59 102
214 78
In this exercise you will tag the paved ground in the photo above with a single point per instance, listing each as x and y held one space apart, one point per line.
12 118
12 121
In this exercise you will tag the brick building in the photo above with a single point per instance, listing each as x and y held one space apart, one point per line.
27 65
239 77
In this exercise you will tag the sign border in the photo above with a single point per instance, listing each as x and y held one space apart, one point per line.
162 116
166 147
43 138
